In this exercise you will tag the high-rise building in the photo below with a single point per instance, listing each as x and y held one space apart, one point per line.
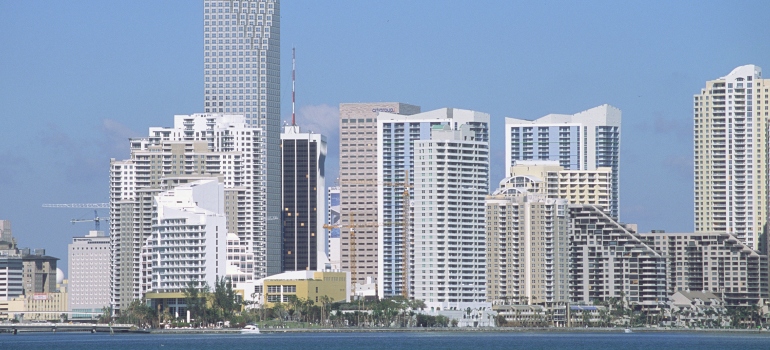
333 219
730 149
189 238
451 180
5 231
584 141
396 135
715 262
611 260
242 73
303 173
88 261
198 146
527 247
358 185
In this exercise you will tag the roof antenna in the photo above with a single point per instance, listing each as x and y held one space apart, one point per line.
293 70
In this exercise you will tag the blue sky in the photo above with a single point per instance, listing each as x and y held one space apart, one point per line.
77 78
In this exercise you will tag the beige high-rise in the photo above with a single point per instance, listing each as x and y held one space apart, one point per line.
358 184
730 154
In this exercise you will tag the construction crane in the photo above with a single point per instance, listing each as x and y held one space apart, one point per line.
93 206
352 253
404 223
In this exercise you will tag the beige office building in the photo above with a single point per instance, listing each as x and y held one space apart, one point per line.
730 149
358 185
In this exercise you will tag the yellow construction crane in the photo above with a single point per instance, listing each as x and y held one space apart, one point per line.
405 226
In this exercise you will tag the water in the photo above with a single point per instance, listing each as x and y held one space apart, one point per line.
345 341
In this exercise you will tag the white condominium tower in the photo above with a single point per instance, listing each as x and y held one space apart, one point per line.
189 237
451 182
582 141
358 185
730 146
396 135
242 76
197 146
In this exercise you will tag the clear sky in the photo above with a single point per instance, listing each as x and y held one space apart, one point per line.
77 78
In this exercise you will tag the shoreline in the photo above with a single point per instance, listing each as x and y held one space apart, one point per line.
460 330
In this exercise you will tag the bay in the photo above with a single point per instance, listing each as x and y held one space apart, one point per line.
413 340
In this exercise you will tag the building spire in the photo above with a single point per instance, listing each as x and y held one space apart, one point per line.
293 71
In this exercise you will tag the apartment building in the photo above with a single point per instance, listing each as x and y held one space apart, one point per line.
583 141
716 262
730 150
198 146
451 181
396 137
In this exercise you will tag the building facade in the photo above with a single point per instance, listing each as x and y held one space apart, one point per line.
303 174
242 75
730 150
584 141
396 135
39 275
551 179
197 146
88 261
305 285
189 238
527 248
333 219
610 260
451 181
715 262
358 183
11 270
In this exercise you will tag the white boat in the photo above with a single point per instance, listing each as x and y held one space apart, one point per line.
250 329
628 330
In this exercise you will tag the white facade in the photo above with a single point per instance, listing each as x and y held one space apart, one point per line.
88 259
240 260
730 150
189 238
197 146
242 75
583 141
451 182
333 219
396 137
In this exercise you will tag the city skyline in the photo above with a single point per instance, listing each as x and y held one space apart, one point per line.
78 92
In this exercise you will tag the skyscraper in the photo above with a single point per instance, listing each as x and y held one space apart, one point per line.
241 43
303 158
730 150
358 185
582 141
451 182
396 136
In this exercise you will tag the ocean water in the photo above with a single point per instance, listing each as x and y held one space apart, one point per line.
357 341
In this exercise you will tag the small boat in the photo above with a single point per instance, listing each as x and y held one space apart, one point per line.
628 330
250 329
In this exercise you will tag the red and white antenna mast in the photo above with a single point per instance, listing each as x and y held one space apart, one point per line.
293 119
